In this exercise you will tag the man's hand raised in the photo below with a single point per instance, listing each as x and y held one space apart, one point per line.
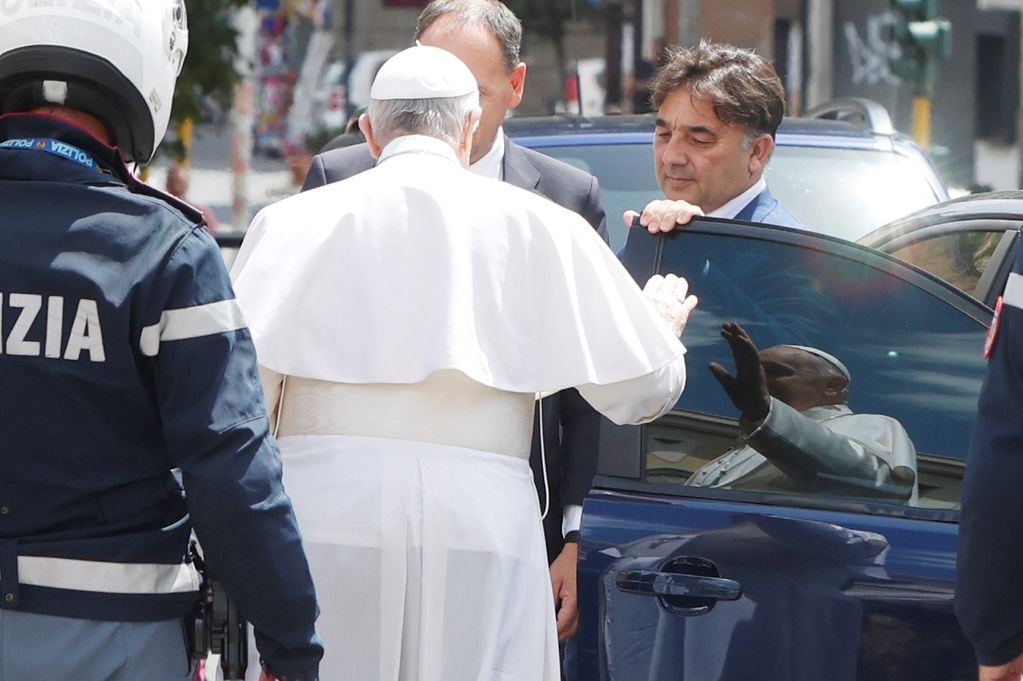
748 388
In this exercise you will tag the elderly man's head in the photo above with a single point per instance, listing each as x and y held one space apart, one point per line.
718 109
423 91
803 377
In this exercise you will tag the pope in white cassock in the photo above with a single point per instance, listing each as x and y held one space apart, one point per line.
405 321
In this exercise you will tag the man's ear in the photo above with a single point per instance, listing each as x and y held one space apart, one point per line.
518 83
760 153
835 387
367 130
472 124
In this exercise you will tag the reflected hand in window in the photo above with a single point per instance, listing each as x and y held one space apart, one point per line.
748 388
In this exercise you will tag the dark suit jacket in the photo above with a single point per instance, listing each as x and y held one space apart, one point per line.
570 425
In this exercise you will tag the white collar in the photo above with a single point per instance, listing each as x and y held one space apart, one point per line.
825 412
732 208
418 144
492 163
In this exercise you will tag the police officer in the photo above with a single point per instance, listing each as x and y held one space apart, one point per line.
122 356
989 591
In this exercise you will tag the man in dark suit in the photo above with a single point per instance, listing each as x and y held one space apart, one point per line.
718 109
487 36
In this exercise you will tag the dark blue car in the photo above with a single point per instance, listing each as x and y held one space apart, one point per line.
686 583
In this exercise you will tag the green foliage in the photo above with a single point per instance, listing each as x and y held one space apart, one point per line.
208 72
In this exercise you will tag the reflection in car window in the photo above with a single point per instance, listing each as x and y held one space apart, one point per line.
912 356
959 258
846 192
804 437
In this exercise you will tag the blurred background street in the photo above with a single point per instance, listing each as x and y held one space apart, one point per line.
268 82
211 176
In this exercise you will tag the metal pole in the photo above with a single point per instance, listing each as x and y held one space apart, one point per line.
689 25
349 34
1019 118
242 116
820 27
613 56
922 121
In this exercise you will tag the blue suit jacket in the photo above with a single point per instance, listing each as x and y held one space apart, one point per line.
570 425
767 209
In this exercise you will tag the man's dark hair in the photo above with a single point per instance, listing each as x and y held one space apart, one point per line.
743 86
489 14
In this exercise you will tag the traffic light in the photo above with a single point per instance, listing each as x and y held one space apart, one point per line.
924 38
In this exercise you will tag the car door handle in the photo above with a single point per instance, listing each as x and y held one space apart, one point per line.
654 583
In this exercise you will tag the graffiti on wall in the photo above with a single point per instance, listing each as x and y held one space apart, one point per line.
871 53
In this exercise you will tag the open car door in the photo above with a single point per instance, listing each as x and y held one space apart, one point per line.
778 581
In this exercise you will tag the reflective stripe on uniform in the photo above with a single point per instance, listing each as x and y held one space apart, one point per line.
191 322
1013 294
97 576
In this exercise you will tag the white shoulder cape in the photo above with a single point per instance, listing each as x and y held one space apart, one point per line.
419 265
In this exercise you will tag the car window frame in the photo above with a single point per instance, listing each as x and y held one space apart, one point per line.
992 280
831 245
623 450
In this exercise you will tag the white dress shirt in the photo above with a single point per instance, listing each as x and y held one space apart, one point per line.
492 163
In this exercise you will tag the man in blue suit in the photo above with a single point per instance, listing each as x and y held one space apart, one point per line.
487 36
718 109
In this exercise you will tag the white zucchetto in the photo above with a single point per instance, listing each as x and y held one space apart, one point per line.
826 356
422 72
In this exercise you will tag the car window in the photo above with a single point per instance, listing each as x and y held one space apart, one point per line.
847 192
911 346
959 258
626 175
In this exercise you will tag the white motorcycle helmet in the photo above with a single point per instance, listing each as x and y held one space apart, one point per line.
117 60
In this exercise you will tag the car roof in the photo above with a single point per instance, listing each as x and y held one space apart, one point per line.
1005 205
984 204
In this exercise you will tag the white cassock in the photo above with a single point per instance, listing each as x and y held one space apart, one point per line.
412 313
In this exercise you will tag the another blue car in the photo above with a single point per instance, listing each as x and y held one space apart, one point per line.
843 170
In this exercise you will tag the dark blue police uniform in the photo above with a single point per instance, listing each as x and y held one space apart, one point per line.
123 356
989 580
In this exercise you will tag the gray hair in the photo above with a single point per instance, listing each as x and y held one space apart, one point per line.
443 118
490 14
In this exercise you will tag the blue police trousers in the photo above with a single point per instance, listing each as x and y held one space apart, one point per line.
45 648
